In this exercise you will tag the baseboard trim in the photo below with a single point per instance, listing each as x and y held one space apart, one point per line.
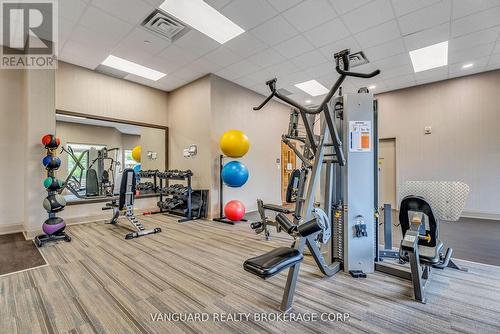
13 228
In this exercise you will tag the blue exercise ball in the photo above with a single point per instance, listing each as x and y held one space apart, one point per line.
234 174
137 168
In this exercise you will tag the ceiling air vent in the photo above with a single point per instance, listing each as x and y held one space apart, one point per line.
165 25
358 59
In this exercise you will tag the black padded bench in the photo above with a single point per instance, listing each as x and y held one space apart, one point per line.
273 262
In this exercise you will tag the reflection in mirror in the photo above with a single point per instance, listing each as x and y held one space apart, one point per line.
95 152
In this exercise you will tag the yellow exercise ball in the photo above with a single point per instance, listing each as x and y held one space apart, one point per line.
136 153
234 143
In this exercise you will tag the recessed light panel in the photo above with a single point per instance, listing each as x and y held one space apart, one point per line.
312 87
132 68
207 20
430 57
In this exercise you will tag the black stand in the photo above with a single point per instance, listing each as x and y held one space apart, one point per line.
188 215
222 218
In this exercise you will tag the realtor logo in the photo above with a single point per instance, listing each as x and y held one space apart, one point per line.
28 34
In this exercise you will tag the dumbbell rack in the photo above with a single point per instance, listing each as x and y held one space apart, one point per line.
164 182
150 174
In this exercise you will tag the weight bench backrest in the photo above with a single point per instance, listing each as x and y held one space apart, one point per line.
127 189
419 204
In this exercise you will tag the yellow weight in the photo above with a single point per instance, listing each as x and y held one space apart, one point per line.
234 144
136 153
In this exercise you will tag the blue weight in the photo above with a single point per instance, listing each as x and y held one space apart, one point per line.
234 174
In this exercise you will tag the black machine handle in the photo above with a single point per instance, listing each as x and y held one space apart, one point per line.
344 72
285 223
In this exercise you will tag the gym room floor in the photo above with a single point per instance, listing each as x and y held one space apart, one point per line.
100 283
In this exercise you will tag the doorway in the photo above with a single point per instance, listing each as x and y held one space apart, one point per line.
288 164
387 172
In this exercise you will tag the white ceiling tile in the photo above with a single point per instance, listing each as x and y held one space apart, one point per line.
81 55
132 11
370 15
394 47
325 68
282 69
255 78
497 47
226 74
434 74
282 5
246 45
309 59
470 54
344 6
71 9
64 30
243 68
196 69
492 67
466 7
196 43
104 24
135 43
494 59
393 62
169 83
93 41
163 65
274 31
176 57
428 37
348 43
473 39
222 56
155 3
425 18
400 80
402 7
378 35
248 14
310 14
267 58
475 22
217 4
294 47
392 72
478 65
326 33
295 78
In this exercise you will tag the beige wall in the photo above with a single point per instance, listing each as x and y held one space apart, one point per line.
464 114
85 91
152 140
189 122
232 109
12 144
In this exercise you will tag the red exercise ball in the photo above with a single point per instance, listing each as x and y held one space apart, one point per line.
234 210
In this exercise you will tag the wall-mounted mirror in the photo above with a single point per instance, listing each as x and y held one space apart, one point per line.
95 151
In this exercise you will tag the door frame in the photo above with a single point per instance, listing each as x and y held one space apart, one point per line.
396 161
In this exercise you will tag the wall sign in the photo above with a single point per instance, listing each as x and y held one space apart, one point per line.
360 136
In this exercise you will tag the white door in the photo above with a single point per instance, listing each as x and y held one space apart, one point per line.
387 172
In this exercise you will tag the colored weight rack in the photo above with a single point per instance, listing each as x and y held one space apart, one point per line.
176 199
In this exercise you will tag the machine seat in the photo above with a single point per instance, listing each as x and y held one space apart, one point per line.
273 262
428 255
277 208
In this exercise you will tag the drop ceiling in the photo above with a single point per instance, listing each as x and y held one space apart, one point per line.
292 40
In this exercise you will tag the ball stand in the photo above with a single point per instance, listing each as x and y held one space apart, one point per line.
54 226
222 218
